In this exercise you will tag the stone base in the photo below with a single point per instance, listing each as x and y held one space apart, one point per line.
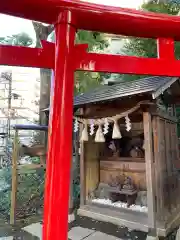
178 234
152 237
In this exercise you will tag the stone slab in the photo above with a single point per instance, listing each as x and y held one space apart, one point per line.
101 236
178 234
34 229
71 218
78 233
152 237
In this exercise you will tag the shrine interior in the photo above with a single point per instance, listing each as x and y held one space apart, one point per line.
122 168
121 180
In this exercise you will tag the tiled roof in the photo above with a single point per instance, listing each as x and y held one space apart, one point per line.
127 88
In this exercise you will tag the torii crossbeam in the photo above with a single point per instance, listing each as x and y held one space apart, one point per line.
65 57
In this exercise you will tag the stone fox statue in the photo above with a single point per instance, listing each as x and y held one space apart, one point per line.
33 151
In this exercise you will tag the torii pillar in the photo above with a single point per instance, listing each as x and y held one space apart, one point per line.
60 133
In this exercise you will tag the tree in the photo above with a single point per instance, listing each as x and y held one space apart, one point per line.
96 41
20 39
42 33
148 47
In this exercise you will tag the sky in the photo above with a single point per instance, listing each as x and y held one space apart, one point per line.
16 25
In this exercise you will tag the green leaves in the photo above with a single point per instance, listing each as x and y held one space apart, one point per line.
141 47
167 7
20 39
147 47
95 40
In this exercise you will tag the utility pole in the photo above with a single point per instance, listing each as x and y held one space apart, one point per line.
9 76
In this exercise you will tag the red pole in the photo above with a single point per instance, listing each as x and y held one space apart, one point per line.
166 48
60 134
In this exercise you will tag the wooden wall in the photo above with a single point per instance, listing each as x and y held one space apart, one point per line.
165 153
92 153
119 168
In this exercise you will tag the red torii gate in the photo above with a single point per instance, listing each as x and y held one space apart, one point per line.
65 58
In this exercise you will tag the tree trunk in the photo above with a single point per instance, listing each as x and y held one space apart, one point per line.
45 85
42 33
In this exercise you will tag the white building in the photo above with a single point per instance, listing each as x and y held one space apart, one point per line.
19 97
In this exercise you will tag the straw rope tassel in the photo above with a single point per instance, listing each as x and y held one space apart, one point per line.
116 131
99 135
84 136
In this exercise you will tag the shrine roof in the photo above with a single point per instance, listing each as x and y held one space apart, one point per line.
151 85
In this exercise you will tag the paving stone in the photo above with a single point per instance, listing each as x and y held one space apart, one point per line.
23 235
78 233
34 229
6 238
71 218
101 236
152 238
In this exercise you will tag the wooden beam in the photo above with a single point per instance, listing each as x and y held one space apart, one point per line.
95 62
97 17
166 48
82 168
28 57
14 180
149 173
71 188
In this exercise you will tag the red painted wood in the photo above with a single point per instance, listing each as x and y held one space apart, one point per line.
60 134
124 64
28 57
166 65
166 48
97 17
88 17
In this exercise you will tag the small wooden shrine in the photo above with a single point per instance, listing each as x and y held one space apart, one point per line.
128 150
